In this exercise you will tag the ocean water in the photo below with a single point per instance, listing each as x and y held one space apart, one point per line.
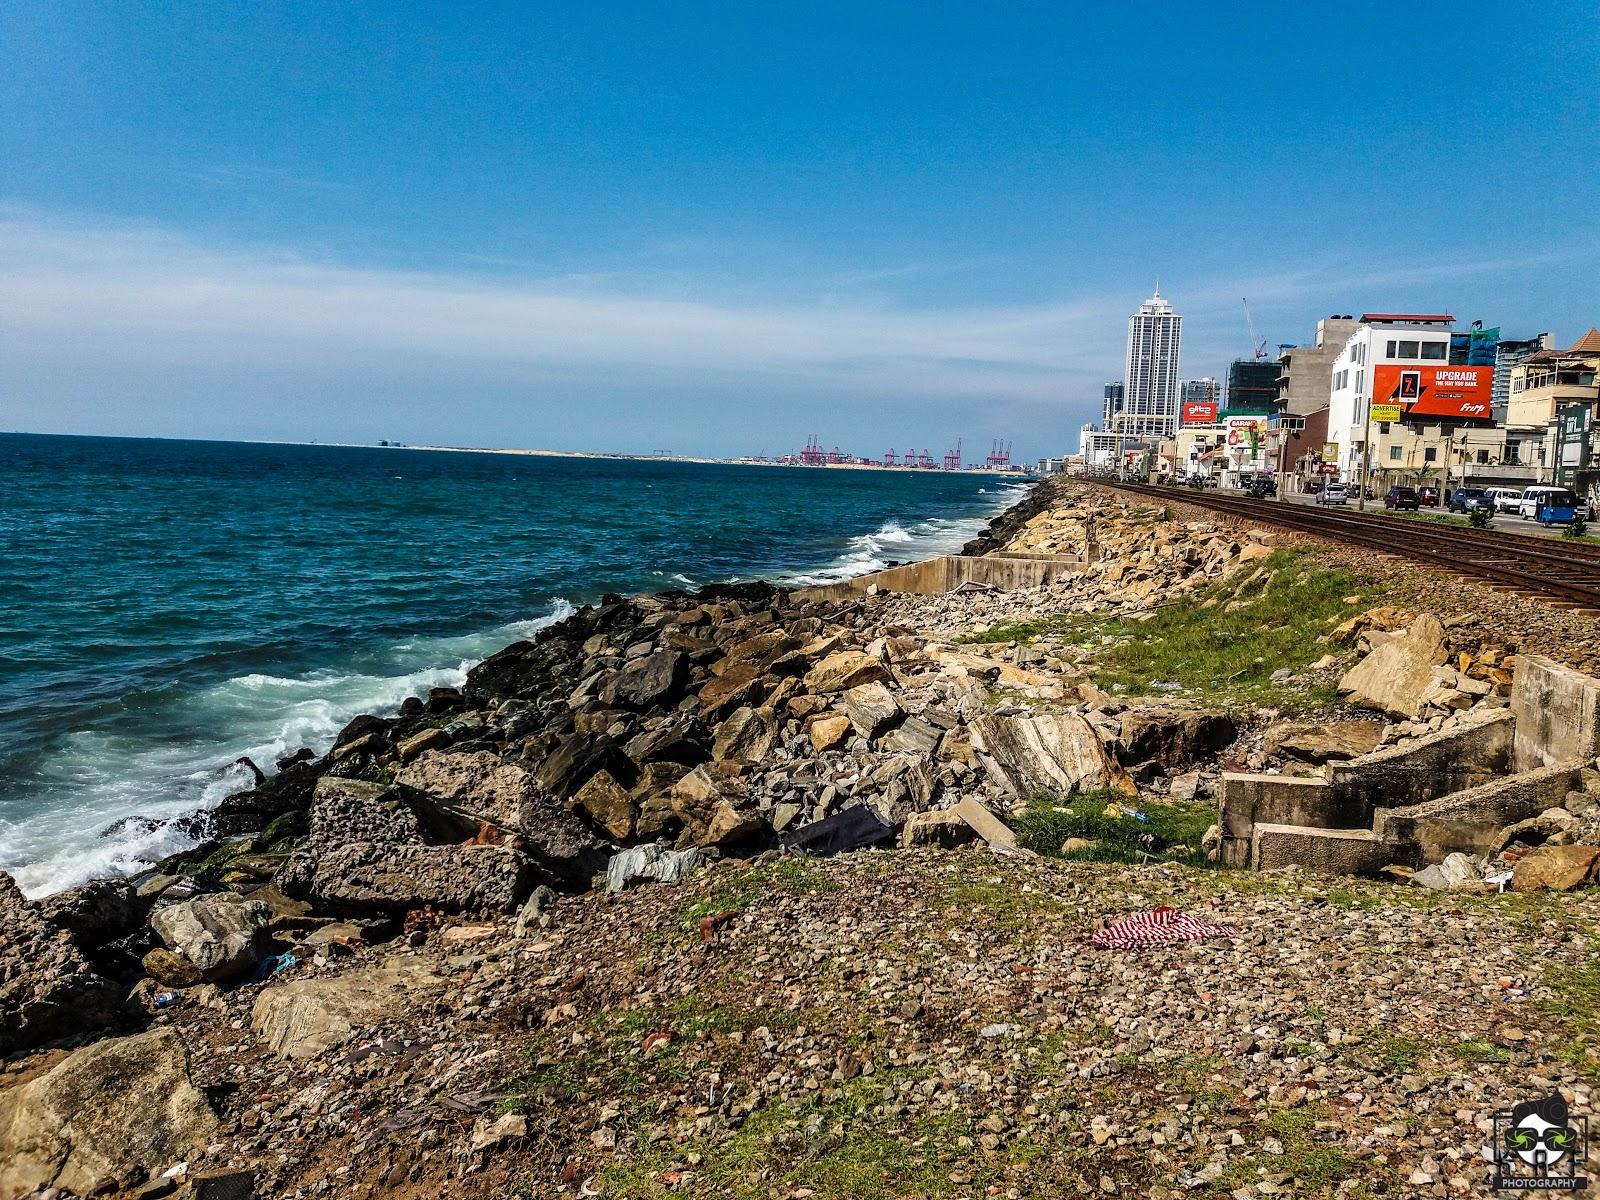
166 607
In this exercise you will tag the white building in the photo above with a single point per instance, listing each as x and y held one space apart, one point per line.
1097 447
1150 393
1393 383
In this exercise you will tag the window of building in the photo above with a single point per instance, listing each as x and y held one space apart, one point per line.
1483 456
1430 454
1383 427
1389 348
1394 453
1435 351
1360 378
1406 350
1513 452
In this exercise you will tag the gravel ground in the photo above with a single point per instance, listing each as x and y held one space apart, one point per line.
930 1023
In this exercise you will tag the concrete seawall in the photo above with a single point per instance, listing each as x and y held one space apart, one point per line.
1002 571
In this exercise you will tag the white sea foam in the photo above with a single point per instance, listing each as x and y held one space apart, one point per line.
257 715
893 541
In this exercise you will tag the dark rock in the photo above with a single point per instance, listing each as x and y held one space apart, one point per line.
445 699
374 877
47 988
360 727
304 754
656 679
96 913
250 811
577 757
1176 739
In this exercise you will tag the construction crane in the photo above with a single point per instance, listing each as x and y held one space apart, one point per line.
889 458
1258 346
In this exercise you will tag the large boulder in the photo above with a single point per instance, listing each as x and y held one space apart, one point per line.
223 935
306 1017
480 787
843 670
714 805
378 878
1554 868
120 1109
741 684
1056 753
656 679
1174 738
354 810
1395 676
1323 741
747 735
609 805
871 708
95 913
47 988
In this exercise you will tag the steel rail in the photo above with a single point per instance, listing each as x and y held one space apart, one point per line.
1452 549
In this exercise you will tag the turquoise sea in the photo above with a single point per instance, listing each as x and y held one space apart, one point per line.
167 606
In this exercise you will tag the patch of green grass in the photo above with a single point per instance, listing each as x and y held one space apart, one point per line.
790 876
1474 1051
1397 1052
1226 643
1576 1005
1048 822
1005 907
1315 1165
847 1146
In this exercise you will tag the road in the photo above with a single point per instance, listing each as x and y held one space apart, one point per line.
1505 522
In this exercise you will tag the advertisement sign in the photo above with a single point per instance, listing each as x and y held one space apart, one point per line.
1246 431
1387 412
1329 468
1200 412
1450 393
1330 452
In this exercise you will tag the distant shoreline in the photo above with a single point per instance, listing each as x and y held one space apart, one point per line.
588 454
683 458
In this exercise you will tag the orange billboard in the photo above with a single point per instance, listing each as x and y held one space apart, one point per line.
1441 393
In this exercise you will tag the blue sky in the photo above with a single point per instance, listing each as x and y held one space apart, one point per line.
717 228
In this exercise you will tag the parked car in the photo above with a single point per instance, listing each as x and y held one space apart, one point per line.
1428 496
1465 499
1333 493
1401 497
1548 505
1261 488
1505 500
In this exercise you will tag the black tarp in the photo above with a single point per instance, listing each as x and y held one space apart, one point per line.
855 828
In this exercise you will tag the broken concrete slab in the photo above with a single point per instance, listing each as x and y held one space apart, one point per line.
985 824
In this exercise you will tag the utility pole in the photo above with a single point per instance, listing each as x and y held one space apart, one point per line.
1366 452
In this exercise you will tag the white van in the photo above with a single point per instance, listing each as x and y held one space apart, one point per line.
1504 499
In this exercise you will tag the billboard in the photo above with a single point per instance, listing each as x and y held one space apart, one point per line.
1200 412
1330 452
1248 432
1433 392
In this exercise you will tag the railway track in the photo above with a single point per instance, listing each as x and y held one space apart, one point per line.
1567 573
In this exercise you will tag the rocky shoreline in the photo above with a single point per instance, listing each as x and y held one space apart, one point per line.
425 873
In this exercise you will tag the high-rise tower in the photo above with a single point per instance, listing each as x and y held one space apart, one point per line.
1150 393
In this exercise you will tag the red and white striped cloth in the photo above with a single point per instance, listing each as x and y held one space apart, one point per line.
1159 927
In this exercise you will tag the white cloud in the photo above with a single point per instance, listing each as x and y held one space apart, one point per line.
108 292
